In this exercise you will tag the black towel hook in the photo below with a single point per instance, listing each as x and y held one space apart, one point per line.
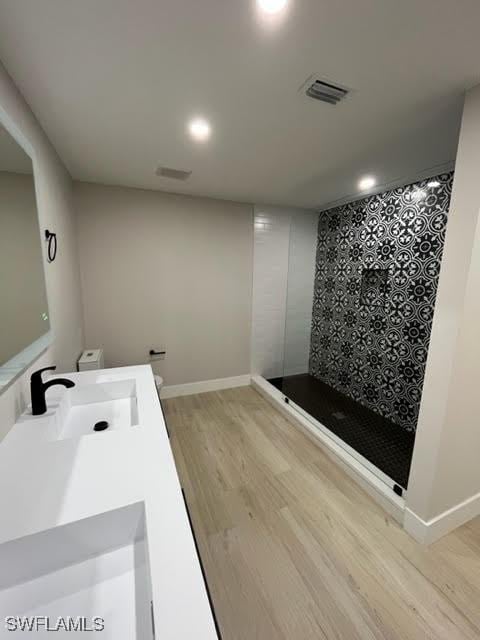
51 238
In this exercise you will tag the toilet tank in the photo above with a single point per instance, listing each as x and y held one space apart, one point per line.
91 359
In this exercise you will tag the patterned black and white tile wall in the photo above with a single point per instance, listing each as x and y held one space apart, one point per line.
377 268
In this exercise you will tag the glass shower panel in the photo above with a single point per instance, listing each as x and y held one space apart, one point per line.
299 299
312 327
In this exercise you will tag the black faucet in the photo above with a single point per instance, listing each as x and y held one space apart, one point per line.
38 389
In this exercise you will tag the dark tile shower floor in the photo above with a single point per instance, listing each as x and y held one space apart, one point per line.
383 443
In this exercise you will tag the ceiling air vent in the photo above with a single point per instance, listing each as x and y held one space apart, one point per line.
325 91
173 174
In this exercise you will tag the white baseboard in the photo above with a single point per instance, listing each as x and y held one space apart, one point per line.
176 390
358 471
427 532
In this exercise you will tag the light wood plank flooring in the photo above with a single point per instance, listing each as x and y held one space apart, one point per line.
294 549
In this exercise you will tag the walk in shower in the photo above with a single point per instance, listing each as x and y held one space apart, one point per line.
358 315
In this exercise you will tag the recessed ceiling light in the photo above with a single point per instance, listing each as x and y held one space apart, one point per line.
433 183
366 183
272 6
199 129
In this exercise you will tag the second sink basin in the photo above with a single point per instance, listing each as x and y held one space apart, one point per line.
96 569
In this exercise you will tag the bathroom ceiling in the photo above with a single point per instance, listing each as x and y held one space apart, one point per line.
114 84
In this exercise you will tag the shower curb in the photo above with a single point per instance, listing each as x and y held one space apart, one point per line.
382 493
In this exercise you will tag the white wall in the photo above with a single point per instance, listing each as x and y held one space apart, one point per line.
165 270
56 212
446 468
284 267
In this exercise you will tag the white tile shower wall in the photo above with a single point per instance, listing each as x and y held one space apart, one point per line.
271 280
270 270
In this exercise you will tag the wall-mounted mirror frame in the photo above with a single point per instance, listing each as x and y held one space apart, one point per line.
37 338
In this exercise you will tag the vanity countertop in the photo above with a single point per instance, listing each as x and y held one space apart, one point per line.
47 483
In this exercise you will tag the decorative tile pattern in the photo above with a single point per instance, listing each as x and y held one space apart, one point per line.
376 353
374 287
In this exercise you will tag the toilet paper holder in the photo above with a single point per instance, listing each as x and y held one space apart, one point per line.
152 352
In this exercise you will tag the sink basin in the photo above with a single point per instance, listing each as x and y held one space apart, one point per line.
83 406
75 412
94 572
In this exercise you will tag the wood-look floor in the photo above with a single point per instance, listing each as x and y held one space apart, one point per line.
294 549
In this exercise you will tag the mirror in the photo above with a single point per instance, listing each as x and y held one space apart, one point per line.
24 322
